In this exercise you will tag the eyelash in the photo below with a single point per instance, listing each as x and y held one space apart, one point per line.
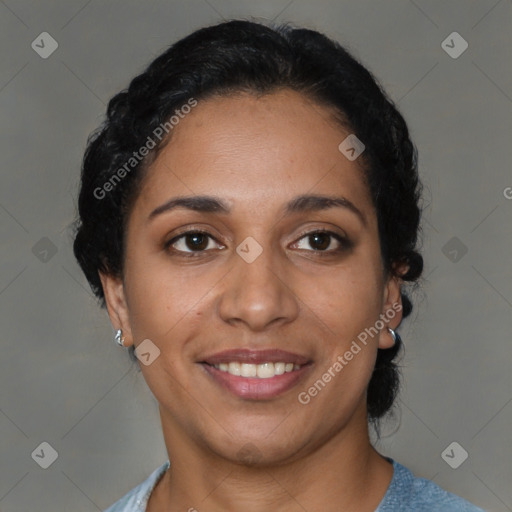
344 242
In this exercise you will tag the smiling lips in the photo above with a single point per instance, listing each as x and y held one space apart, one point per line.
256 374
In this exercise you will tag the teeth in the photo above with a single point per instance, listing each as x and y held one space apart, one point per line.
262 371
279 368
248 370
265 370
233 368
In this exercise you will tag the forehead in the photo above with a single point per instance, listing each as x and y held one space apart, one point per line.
253 149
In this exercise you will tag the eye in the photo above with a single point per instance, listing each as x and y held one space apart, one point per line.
191 242
321 240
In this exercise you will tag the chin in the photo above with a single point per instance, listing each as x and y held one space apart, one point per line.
258 448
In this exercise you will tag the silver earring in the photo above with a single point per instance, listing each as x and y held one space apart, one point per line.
394 335
119 339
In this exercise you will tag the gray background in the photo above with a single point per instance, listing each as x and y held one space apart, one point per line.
62 379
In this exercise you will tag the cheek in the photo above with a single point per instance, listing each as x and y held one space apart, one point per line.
165 301
348 300
350 308
152 300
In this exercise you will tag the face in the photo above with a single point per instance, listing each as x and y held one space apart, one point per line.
256 287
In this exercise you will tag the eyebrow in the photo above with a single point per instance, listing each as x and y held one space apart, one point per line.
299 204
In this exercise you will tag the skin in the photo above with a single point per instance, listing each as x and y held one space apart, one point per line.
257 154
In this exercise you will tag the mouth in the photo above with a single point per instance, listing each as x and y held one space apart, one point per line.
256 375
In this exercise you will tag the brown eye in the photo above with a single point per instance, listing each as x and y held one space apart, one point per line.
190 242
321 240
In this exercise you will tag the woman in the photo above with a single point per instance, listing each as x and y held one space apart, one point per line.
248 215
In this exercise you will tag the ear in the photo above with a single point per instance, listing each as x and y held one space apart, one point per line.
115 299
391 310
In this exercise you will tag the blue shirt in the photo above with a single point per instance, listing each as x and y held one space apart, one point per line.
405 493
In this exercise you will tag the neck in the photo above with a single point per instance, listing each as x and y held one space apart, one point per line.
345 473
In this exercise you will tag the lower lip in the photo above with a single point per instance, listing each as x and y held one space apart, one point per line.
254 388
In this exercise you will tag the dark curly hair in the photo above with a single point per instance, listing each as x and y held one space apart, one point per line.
243 56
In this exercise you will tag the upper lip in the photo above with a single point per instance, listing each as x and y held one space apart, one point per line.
255 357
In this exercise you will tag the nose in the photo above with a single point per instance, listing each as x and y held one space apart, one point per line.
258 294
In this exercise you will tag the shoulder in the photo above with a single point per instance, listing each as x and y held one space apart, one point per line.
137 499
407 492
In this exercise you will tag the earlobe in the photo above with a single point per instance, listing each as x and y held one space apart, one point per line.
392 312
115 299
